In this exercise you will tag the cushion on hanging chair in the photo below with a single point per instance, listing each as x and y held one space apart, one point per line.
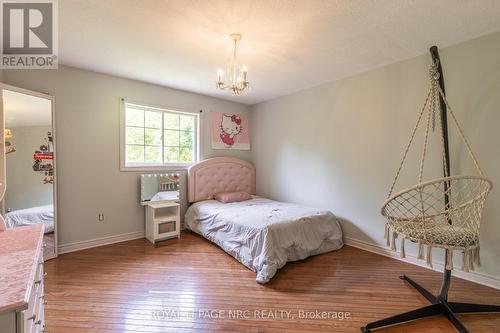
439 235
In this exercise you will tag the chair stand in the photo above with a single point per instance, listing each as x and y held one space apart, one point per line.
440 306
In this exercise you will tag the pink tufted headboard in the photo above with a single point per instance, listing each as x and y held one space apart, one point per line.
219 174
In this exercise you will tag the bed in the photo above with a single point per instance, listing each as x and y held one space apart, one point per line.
260 233
34 215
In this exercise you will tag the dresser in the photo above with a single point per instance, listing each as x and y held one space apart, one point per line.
21 280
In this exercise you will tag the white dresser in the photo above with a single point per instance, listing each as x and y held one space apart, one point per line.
22 280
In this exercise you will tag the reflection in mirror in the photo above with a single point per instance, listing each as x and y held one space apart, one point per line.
159 187
29 155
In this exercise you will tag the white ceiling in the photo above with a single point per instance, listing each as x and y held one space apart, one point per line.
25 110
288 45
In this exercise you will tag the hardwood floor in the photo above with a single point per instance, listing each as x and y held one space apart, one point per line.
137 287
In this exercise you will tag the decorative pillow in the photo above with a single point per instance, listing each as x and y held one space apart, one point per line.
227 197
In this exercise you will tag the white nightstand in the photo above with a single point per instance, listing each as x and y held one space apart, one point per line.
162 220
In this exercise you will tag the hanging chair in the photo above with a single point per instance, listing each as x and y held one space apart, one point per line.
444 212
440 213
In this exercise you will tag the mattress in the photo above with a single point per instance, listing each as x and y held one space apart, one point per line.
264 234
34 215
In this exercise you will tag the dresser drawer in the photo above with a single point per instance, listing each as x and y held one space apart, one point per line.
32 320
39 276
39 323
28 317
40 327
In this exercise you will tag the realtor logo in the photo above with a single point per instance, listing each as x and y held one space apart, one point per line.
29 34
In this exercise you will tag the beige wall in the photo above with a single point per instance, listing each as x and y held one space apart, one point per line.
25 187
337 146
87 137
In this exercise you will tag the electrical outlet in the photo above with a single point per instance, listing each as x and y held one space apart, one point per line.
100 218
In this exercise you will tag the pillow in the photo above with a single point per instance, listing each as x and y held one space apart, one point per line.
227 197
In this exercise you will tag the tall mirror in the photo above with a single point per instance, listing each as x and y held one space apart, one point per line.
30 163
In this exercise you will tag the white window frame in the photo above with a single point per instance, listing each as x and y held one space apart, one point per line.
159 166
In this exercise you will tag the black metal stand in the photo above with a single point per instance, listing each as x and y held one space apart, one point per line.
440 304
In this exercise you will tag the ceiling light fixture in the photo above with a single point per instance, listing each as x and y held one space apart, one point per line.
235 75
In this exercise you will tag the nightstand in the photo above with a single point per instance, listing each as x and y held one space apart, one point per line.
162 220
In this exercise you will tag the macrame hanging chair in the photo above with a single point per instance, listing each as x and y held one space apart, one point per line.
444 212
440 213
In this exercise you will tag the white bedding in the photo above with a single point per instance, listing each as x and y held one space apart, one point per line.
35 215
166 195
263 234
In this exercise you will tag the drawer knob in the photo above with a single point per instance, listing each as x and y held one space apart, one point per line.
38 281
38 322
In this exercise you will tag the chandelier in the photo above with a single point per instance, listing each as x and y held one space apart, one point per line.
235 75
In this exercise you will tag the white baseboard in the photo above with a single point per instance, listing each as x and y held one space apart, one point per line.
87 244
477 277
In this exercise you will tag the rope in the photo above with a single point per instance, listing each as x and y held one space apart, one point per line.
424 149
409 144
434 93
460 130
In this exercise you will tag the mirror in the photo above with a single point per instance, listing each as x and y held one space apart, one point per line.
159 187
29 154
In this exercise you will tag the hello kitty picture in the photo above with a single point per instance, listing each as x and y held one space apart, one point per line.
229 131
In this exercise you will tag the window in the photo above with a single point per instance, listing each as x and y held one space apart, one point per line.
152 137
